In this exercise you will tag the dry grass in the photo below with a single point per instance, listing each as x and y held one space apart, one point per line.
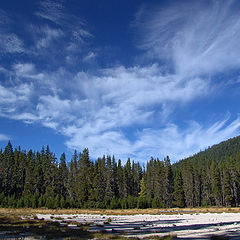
30 211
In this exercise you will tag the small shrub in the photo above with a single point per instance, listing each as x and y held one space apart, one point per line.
136 228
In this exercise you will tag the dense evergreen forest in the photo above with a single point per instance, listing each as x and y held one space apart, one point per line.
37 179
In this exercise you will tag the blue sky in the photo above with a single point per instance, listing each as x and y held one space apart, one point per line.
130 78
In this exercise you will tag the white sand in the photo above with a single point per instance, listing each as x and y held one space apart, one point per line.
201 226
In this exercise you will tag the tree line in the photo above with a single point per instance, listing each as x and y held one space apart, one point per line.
38 179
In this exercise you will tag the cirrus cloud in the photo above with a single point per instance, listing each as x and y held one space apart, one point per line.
127 111
199 38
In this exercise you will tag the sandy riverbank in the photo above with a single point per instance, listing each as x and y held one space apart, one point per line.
198 223
184 226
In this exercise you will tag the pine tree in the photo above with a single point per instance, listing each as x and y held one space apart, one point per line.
208 198
109 193
137 175
37 180
115 184
150 179
216 184
97 192
120 189
235 176
227 187
8 163
39 175
178 193
228 198
141 203
142 194
63 176
168 183
50 174
198 185
29 178
73 178
188 183
83 178
158 174
127 179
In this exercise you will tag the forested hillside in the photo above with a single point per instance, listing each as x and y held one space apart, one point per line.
221 151
38 179
212 177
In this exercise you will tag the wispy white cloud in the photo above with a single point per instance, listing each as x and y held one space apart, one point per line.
127 111
179 143
54 111
90 57
26 117
198 38
52 11
97 107
56 13
4 137
54 35
14 99
24 69
168 140
140 86
99 143
48 36
11 43
4 19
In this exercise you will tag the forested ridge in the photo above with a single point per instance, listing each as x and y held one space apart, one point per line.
38 179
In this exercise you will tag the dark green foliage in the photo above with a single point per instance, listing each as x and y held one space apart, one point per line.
216 184
109 190
142 200
211 177
119 180
72 178
168 183
29 178
63 176
178 193
142 193
8 163
37 179
188 183
83 178
127 179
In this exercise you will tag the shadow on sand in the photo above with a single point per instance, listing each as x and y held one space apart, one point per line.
152 227
16 228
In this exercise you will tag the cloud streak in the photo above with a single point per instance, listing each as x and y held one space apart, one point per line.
10 43
57 13
4 137
98 108
180 143
126 111
198 38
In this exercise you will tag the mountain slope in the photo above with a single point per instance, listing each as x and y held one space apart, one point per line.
220 152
